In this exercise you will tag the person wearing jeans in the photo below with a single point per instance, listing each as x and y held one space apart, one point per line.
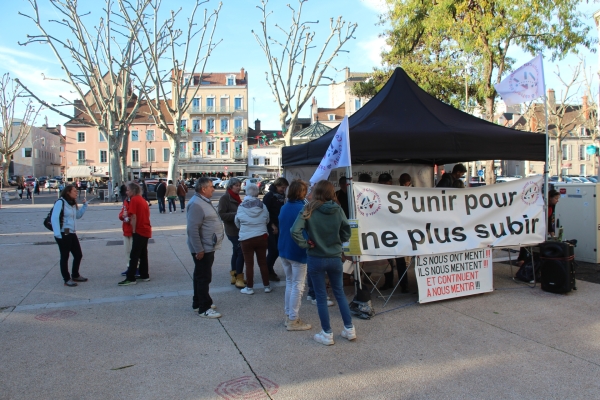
274 200
228 206
327 227
161 190
293 258
139 218
64 214
181 193
252 218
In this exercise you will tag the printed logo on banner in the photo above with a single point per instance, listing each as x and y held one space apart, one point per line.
368 202
531 193
334 152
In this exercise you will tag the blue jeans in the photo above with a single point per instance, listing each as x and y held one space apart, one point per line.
161 204
237 257
317 268
172 203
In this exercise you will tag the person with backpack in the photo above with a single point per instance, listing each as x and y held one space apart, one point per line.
64 214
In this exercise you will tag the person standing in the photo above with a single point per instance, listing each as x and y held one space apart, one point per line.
450 180
123 191
141 232
228 207
181 193
20 188
36 187
252 218
161 190
274 200
342 195
127 234
323 220
64 214
145 191
293 258
205 234
171 195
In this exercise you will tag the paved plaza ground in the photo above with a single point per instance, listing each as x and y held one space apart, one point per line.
102 341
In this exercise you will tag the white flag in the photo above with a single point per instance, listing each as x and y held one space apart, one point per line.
337 155
524 84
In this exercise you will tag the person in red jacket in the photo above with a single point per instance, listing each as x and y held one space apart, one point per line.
141 231
127 233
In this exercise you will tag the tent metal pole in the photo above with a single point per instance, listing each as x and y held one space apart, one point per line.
546 166
352 215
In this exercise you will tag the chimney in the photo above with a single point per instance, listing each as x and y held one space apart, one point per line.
585 108
257 125
77 108
243 73
551 98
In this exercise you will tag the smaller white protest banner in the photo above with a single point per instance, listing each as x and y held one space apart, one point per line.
450 275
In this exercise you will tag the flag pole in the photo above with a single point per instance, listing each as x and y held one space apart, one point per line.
352 215
547 161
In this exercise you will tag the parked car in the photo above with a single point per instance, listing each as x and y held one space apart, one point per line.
13 180
501 179
52 184
245 182
151 185
262 187
224 184
42 180
216 182
29 182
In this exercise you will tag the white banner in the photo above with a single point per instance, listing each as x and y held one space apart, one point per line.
337 154
449 275
404 221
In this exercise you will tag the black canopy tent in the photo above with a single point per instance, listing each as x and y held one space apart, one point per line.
404 124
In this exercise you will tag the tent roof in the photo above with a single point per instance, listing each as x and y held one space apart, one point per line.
404 124
313 131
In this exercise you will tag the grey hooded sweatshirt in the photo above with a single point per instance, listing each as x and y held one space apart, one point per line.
252 218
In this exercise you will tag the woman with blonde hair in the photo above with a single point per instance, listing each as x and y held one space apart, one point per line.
327 227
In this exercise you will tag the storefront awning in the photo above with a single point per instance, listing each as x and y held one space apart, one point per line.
212 167
79 171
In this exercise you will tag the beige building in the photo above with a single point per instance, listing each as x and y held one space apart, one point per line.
40 154
216 126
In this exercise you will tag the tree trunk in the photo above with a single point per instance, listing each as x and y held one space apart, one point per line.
115 165
559 156
173 172
287 137
5 163
123 155
489 164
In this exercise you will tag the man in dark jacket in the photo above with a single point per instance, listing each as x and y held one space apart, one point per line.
274 200
161 191
342 195
451 179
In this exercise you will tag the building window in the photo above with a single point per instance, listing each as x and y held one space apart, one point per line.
237 103
210 125
224 104
81 157
255 161
135 136
197 148
224 147
230 81
582 152
210 148
210 104
183 125
566 154
182 149
103 156
164 135
239 148
196 103
267 161
195 125
27 152
182 102
331 117
102 136
135 156
237 125
81 137
224 125
166 154
357 104
151 155
552 153
150 135
582 170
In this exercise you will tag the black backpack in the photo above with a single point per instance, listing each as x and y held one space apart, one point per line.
48 219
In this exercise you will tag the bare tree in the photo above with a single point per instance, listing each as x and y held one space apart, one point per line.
291 80
172 55
563 116
98 65
12 135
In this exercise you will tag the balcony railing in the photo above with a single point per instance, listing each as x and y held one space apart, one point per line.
183 155
135 164
212 110
240 131
81 162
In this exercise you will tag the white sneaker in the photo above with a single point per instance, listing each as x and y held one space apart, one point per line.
314 301
349 333
324 338
268 289
247 290
210 313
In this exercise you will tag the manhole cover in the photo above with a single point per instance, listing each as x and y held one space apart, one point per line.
55 315
114 243
246 388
